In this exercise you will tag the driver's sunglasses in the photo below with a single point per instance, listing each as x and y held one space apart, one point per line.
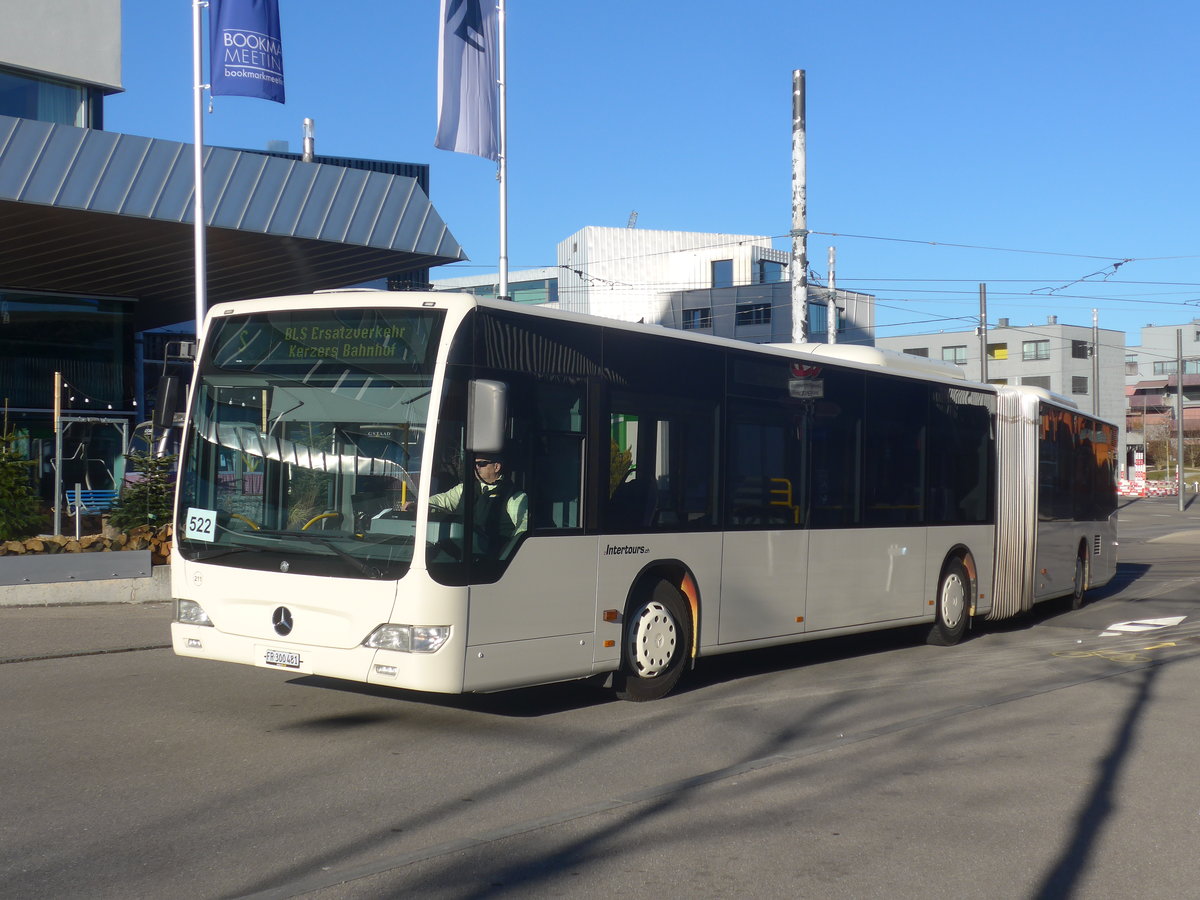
480 463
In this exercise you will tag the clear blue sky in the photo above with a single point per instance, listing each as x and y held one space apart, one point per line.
1064 127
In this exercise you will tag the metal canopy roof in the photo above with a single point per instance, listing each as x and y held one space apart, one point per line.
107 214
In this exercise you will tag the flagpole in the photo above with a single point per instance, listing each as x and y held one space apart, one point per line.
198 167
503 161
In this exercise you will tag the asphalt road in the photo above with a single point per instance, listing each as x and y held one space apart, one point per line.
1037 759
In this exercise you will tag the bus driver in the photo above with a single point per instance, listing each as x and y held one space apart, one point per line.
501 509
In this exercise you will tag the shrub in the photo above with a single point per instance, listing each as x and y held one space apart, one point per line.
149 500
20 508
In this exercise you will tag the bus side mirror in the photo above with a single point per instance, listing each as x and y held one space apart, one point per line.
168 402
486 415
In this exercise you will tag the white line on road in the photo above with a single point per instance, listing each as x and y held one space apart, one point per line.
1140 625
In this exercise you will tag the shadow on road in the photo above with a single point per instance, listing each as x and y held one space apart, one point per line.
1063 877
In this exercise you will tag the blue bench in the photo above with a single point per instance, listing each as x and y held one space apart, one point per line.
88 502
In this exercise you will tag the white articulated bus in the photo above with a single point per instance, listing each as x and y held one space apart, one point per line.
439 493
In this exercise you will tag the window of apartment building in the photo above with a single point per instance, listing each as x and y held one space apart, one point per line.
722 273
1131 364
1080 350
1035 350
697 318
1171 366
1040 381
956 354
26 97
819 322
753 314
997 351
917 351
767 271
1079 384
997 381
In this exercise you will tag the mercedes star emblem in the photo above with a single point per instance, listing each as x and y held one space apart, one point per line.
282 620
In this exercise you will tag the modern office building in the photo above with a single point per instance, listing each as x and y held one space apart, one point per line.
730 285
96 234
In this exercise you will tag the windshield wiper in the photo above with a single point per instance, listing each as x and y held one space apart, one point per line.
203 556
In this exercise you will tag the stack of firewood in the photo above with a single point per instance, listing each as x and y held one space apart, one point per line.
144 537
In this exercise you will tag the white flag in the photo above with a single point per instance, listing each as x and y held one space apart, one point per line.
467 86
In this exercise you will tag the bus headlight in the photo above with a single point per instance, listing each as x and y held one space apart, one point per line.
189 612
408 638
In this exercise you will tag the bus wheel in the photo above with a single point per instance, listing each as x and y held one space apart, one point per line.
658 638
1079 586
952 602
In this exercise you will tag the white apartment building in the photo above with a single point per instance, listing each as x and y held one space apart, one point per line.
729 285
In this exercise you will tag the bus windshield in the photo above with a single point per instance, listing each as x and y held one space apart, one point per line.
305 441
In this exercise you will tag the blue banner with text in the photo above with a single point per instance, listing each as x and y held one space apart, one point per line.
246 50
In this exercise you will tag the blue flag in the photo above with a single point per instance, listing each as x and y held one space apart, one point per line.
246 51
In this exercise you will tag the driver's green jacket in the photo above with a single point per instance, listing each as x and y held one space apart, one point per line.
517 505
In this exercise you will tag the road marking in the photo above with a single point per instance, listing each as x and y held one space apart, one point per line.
1160 646
1111 655
1140 625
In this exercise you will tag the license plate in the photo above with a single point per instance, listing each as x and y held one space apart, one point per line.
282 658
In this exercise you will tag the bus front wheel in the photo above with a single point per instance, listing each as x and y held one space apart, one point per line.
658 638
952 604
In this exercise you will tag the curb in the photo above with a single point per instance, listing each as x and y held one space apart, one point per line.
156 586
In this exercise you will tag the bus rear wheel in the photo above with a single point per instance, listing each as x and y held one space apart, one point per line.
657 641
952 604
1079 586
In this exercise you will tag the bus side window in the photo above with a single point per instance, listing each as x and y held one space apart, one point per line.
660 469
765 482
555 483
895 445
835 442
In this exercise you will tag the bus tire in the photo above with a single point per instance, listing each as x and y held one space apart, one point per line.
1079 585
656 643
952 605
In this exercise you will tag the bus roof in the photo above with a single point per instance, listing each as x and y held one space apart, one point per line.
852 355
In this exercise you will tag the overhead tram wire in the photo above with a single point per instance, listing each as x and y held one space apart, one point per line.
1114 262
871 237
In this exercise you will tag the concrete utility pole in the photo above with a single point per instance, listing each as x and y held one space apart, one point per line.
832 315
799 214
1095 363
983 333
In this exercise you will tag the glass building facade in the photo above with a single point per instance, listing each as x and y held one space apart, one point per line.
45 100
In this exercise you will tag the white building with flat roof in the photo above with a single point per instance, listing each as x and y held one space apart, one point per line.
730 285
